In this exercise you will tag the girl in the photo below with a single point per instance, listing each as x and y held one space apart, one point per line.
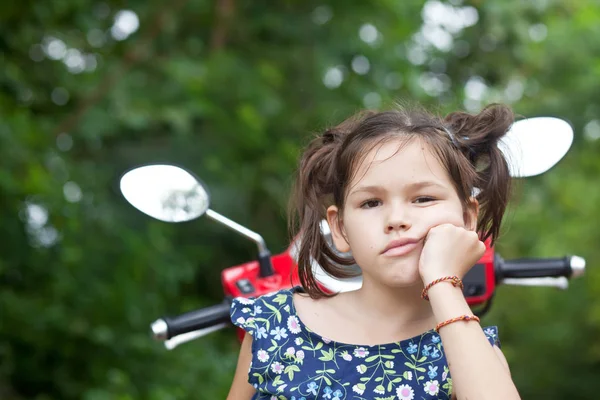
411 196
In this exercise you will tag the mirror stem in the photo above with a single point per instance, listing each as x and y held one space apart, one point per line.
265 267
264 255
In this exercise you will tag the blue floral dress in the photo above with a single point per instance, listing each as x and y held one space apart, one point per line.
290 362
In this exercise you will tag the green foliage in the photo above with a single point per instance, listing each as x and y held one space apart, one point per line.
233 97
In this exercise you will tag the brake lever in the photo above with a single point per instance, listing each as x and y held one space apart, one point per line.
559 282
188 337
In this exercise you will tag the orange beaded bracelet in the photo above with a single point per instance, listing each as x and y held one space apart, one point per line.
461 318
455 280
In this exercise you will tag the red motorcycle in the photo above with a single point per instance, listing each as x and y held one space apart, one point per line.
172 194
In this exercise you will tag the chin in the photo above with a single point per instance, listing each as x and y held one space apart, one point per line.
404 275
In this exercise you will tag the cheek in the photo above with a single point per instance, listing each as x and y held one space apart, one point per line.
446 216
362 234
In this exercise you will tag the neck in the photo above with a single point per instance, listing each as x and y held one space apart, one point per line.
403 305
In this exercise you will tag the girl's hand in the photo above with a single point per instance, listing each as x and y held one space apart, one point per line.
449 250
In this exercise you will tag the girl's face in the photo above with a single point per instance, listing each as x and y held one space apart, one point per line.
395 195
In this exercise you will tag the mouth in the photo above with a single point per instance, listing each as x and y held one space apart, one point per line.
400 247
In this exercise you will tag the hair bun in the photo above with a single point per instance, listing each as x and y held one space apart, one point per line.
330 135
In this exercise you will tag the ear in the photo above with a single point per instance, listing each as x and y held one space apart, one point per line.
471 214
336 226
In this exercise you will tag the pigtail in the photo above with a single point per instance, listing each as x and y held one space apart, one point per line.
312 193
477 137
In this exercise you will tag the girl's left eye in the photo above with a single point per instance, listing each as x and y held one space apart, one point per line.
424 199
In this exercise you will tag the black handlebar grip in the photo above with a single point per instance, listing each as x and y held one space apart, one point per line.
168 327
570 266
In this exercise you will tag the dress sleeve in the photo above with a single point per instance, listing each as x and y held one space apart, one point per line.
491 333
243 312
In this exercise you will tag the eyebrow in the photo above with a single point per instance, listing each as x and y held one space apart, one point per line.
413 186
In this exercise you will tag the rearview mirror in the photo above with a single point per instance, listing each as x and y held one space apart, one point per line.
165 192
534 145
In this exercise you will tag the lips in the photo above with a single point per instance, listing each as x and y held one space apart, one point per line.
400 247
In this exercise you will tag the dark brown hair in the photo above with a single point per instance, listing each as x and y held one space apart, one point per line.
465 144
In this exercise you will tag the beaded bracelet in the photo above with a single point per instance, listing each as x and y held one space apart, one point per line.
455 280
461 318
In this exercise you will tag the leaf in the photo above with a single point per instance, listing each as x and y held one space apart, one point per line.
327 380
365 379
290 369
409 365
372 358
280 298
396 380
270 307
327 355
420 369
379 379
319 345
259 376
422 359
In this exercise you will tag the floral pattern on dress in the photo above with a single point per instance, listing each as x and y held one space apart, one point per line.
291 362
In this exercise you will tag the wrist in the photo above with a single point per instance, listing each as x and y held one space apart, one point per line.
452 280
447 302
443 289
428 275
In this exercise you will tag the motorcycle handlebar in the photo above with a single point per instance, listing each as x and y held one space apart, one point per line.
531 272
568 267
168 327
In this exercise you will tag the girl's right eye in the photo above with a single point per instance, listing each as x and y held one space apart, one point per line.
370 203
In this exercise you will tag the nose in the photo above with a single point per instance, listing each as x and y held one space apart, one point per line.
398 220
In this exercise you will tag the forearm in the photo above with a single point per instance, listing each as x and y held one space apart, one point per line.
477 371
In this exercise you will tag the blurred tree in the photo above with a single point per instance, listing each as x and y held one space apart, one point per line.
232 90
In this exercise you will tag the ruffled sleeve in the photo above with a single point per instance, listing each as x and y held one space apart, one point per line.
491 333
243 313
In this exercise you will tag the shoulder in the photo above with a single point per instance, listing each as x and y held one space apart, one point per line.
253 313
491 334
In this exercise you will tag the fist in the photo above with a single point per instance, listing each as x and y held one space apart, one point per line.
449 250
